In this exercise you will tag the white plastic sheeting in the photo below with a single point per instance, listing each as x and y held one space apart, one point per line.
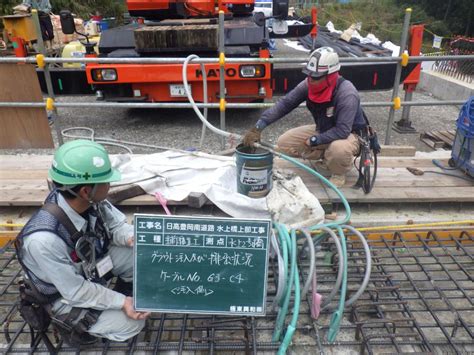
369 39
175 175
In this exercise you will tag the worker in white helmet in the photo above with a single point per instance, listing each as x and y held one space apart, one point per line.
335 106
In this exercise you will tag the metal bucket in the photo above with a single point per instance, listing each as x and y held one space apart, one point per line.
254 171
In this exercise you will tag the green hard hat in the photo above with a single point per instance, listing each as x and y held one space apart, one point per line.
82 162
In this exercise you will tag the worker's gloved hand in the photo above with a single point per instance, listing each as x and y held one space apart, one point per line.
252 136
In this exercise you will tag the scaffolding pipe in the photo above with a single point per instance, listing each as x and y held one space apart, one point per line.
210 105
47 74
398 74
302 60
222 60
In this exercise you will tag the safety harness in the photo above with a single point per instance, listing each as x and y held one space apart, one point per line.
37 296
369 149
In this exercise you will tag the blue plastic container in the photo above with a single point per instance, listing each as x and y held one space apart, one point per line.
104 25
254 171
463 147
465 119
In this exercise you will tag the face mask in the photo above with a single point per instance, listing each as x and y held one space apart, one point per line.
322 91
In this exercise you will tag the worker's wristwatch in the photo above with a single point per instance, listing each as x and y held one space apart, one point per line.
313 140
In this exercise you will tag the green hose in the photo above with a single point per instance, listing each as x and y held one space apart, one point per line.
296 305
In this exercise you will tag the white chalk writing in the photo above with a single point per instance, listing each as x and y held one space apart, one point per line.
198 291
214 258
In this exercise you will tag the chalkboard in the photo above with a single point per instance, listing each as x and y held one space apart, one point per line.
200 265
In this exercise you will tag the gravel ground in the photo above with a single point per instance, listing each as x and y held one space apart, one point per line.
180 128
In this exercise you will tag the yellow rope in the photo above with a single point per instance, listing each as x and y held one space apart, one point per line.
365 229
414 226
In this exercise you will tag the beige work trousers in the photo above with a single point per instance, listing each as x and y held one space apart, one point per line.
337 155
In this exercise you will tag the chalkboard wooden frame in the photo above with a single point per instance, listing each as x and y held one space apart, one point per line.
201 265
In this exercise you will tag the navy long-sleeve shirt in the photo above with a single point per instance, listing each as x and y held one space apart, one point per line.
347 111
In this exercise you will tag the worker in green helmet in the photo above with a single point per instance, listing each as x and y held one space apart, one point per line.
73 247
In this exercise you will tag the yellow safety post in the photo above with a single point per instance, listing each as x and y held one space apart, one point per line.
397 103
40 61
49 104
222 59
405 58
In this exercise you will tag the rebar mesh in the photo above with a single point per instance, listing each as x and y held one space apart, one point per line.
419 300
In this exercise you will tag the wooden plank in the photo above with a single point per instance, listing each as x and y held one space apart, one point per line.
39 162
408 195
120 193
25 162
433 140
35 197
384 162
22 184
398 151
380 194
23 197
447 138
394 183
23 174
22 127
440 137
432 144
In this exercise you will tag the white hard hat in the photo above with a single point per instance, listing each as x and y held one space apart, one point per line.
322 61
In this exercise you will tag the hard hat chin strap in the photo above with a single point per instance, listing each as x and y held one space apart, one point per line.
90 196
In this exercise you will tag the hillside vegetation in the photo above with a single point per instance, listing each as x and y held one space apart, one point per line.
384 18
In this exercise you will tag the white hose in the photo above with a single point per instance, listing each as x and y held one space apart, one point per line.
204 96
281 272
368 266
312 261
216 130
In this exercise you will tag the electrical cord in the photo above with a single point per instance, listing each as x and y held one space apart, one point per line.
467 178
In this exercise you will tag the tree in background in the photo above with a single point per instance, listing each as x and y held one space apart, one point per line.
449 16
6 6
86 8
83 8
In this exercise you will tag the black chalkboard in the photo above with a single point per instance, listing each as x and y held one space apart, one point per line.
200 265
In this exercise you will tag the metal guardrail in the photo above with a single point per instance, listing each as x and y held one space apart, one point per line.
209 105
302 60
